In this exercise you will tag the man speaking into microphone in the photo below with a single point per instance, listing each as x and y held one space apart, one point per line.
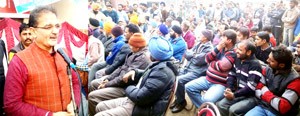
37 83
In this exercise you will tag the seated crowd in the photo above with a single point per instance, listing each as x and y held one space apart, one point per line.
242 70
241 76
134 68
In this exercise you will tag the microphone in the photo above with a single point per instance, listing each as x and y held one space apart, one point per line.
66 58
71 65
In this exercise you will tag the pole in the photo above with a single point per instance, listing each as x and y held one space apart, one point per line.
72 91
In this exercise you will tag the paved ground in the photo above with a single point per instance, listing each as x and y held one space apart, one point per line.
184 112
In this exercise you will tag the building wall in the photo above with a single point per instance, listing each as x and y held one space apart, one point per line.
74 12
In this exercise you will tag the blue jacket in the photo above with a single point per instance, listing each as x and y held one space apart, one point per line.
229 13
179 47
152 96
119 42
119 59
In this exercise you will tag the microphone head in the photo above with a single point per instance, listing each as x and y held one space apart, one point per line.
72 65
66 57
60 50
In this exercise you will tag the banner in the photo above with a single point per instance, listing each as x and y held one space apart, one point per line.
69 37
27 5
9 32
297 30
74 41
20 8
7 6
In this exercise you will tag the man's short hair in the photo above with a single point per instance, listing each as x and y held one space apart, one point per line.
250 46
37 12
143 4
179 19
294 1
23 27
169 19
147 18
298 42
264 36
133 28
187 24
226 26
244 31
267 28
255 29
121 5
163 3
233 28
283 55
155 3
230 34
109 5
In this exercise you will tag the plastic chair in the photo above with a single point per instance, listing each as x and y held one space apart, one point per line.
171 95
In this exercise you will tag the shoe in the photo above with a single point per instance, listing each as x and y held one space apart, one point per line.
179 107
173 105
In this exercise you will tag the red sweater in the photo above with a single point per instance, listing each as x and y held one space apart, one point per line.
273 41
219 65
189 38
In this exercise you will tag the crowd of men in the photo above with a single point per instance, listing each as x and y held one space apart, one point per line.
240 59
221 49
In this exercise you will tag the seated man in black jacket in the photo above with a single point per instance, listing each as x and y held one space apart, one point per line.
151 95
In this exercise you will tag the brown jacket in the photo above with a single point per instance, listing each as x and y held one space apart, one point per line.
289 18
137 60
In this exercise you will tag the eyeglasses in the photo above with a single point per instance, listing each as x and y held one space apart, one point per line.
50 27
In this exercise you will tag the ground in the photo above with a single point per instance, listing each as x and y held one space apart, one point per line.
184 112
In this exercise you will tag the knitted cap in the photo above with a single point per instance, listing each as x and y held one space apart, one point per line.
163 29
137 40
117 31
177 29
207 33
94 22
160 49
107 26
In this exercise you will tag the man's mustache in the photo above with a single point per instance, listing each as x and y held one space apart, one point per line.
28 39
